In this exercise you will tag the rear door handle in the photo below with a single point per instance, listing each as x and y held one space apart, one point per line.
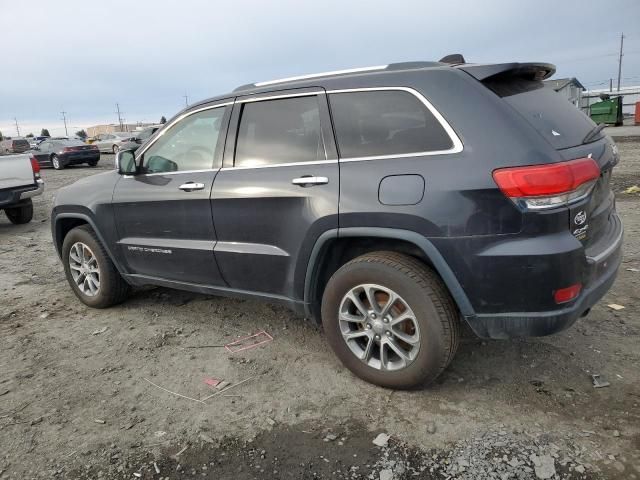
310 181
191 186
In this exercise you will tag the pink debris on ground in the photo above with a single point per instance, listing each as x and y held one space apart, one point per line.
246 343
212 382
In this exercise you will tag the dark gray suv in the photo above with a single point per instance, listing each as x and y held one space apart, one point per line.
389 203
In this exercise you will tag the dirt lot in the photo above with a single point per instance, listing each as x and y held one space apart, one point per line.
76 399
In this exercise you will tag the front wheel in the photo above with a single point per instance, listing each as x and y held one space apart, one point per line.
390 320
115 149
89 270
93 163
21 214
57 164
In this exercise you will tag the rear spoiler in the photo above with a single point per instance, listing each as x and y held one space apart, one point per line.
528 71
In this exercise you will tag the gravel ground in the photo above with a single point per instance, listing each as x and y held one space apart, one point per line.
76 399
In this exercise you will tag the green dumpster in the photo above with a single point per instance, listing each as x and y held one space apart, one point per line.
608 111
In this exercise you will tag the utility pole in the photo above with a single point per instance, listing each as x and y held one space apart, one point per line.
64 118
611 85
186 99
620 60
120 119
17 126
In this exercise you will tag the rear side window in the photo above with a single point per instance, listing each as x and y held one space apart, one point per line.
392 122
286 130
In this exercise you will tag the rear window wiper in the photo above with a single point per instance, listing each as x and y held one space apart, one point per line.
594 133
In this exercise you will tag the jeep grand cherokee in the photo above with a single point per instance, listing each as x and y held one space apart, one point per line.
389 203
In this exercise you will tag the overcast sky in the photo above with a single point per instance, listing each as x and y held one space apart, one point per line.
83 57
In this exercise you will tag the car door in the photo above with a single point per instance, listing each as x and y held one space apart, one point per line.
163 213
107 143
277 192
99 141
44 152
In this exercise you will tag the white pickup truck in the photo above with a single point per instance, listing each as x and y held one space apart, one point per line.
19 181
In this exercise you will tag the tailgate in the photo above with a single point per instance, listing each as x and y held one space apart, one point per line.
15 171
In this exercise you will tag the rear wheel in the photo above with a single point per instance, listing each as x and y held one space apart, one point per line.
93 163
57 164
390 320
21 214
89 270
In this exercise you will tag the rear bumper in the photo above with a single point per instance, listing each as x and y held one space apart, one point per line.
73 159
13 197
598 278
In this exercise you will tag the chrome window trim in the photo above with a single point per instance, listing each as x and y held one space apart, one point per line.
176 120
455 140
322 74
261 97
290 164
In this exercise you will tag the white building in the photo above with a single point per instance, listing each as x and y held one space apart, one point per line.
570 88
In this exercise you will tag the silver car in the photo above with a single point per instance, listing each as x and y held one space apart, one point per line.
111 142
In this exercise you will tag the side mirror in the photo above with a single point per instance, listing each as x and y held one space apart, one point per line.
126 162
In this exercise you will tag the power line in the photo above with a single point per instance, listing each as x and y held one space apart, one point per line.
64 118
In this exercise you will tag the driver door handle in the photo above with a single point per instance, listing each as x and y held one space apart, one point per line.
310 181
191 186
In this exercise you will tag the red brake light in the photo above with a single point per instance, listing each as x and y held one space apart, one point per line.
548 185
567 294
35 166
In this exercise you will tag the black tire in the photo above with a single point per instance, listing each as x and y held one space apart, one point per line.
93 163
115 149
56 163
423 291
21 214
113 289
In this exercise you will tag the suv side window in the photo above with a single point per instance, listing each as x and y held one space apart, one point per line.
385 122
285 130
190 144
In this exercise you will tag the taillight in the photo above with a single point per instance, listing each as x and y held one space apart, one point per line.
549 185
567 294
35 166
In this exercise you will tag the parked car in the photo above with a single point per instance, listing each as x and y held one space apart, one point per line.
14 145
19 182
391 204
61 153
138 138
35 141
111 142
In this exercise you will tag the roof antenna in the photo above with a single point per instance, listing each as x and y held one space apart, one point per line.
453 59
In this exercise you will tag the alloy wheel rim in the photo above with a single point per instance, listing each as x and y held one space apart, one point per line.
379 327
84 269
55 162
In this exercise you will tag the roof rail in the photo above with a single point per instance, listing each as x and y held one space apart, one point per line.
391 66
313 75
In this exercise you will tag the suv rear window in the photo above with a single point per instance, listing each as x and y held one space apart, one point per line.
392 122
286 130
560 122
